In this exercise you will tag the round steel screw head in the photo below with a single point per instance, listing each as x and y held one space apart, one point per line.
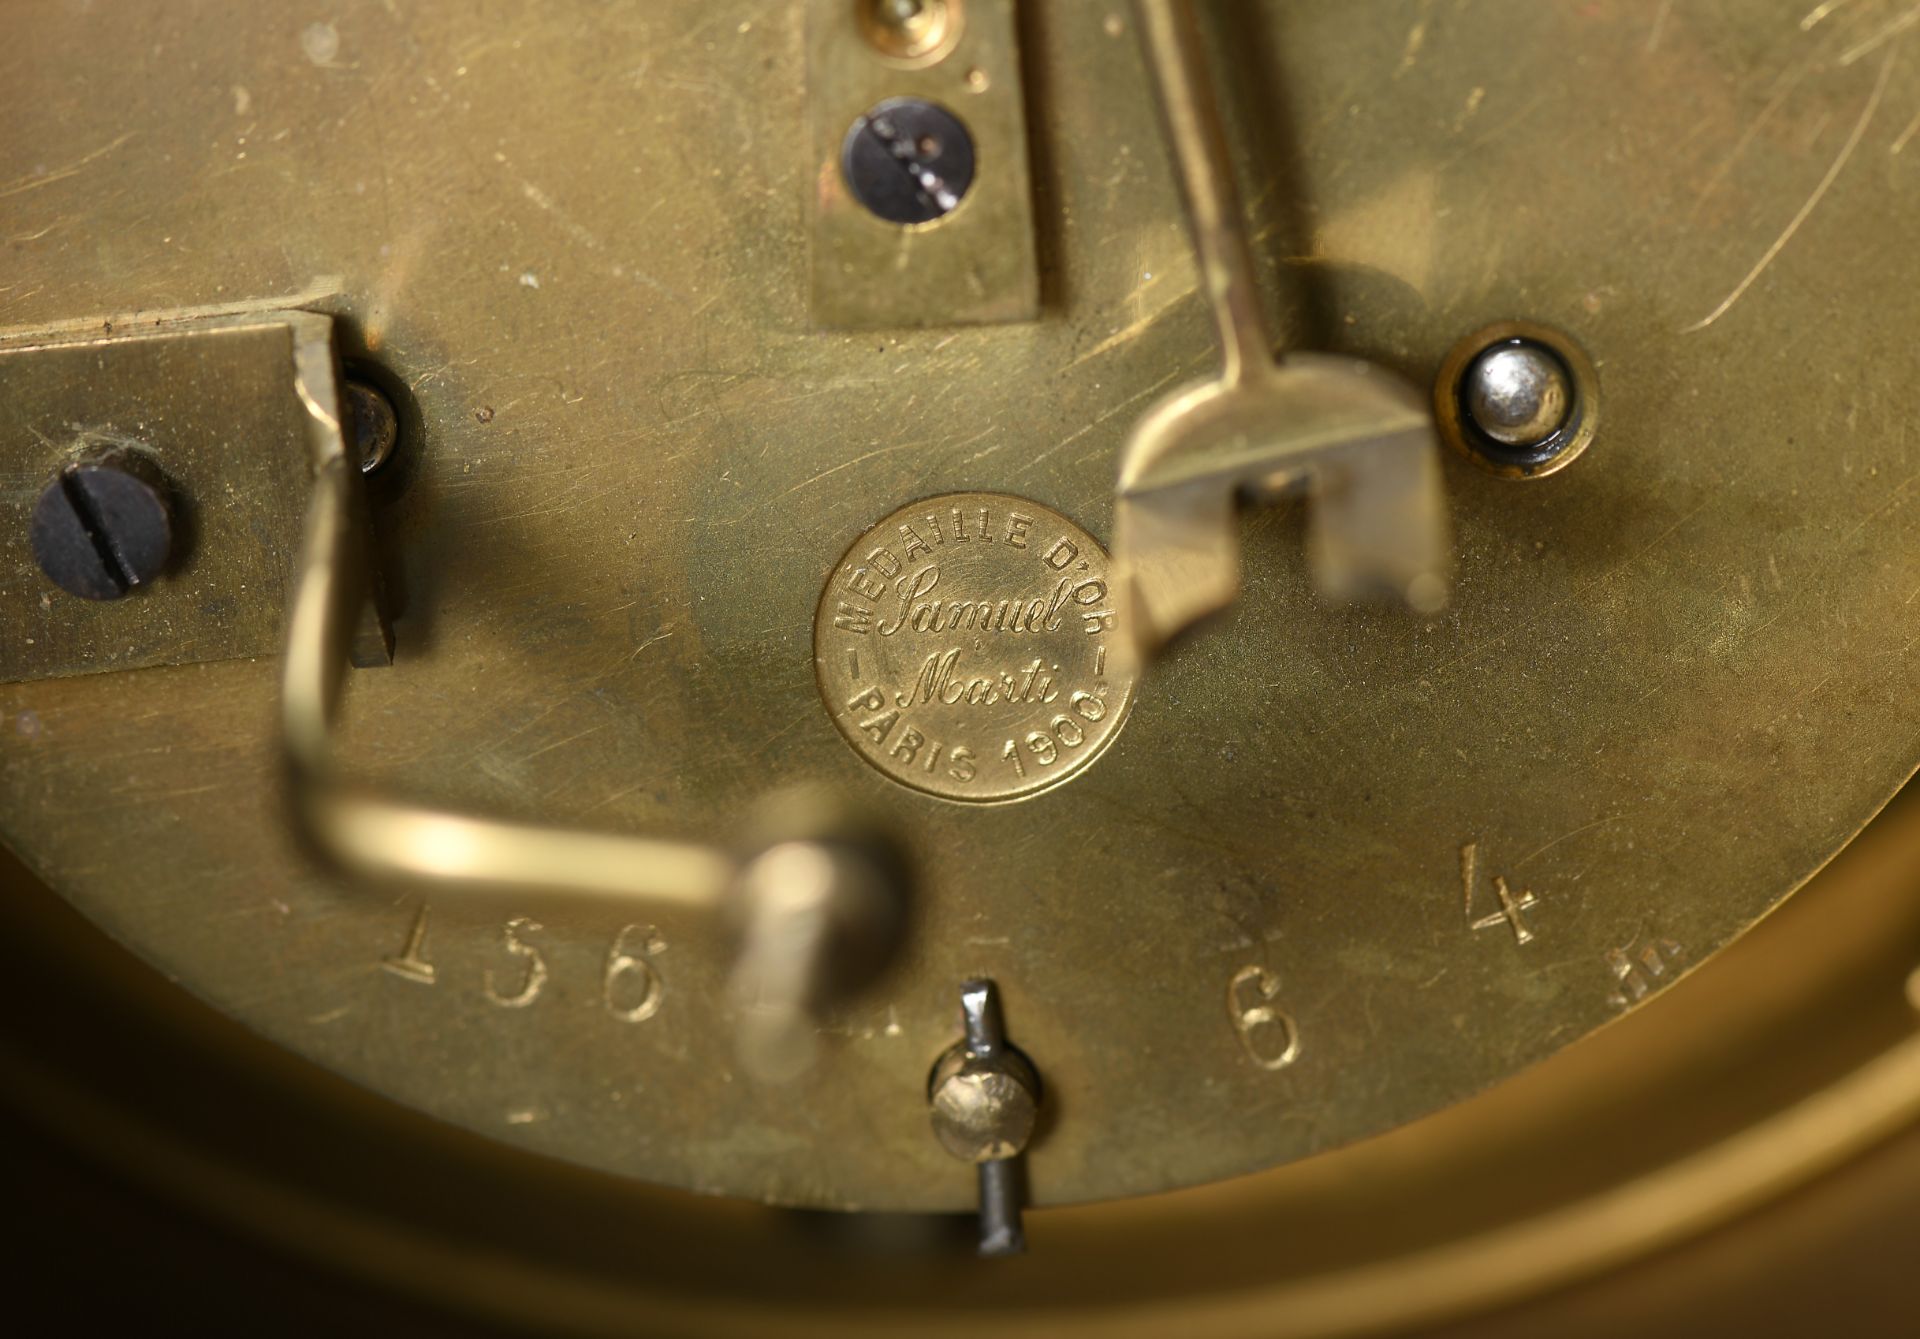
908 160
1518 394
1517 398
103 525
376 427
984 1109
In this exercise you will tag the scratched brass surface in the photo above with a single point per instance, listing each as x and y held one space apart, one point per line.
1672 680
1791 1053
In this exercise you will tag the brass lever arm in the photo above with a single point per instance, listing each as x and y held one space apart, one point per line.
1190 115
378 837
819 913
1361 439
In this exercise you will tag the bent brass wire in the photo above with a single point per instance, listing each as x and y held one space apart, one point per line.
806 941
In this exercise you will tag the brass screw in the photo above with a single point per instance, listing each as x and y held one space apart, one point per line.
917 32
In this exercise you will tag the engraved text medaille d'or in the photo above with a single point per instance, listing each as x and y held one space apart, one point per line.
961 647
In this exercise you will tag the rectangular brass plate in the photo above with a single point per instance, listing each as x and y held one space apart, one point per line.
216 403
979 263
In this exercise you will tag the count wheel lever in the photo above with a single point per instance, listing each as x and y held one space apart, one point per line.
1359 437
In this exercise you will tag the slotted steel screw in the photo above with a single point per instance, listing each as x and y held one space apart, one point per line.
908 160
104 525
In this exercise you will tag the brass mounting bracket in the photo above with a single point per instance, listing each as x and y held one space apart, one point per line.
218 404
978 264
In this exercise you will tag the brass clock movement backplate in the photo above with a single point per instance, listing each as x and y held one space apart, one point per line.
1340 867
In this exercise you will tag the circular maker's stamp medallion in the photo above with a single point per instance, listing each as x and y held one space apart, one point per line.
962 647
